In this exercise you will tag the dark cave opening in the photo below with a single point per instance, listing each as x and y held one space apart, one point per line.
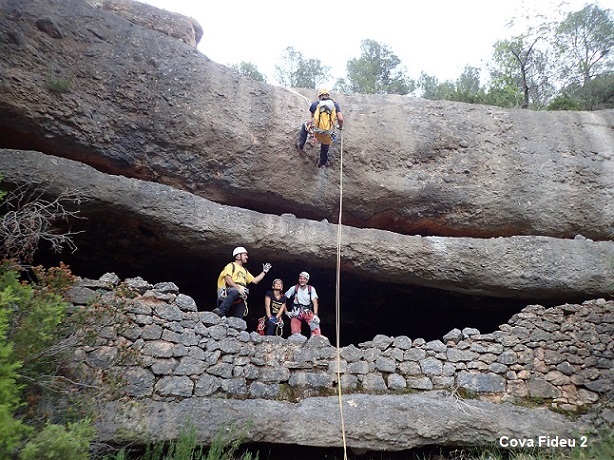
113 243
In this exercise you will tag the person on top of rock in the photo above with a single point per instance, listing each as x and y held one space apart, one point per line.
231 284
324 114
274 307
304 306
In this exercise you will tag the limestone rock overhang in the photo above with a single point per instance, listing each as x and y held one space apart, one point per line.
142 102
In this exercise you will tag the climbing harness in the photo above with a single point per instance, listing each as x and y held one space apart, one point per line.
311 135
279 331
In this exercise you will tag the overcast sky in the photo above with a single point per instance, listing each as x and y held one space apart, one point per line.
439 37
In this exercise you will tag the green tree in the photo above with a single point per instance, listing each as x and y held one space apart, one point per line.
520 64
248 69
295 71
502 95
565 101
467 87
432 89
583 42
377 71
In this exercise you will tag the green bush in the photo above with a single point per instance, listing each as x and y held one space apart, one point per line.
565 102
11 429
58 442
30 316
35 310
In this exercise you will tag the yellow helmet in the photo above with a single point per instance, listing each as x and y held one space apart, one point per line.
322 92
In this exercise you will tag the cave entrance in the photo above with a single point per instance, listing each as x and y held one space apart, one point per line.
112 243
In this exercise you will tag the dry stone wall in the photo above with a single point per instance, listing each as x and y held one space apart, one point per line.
156 341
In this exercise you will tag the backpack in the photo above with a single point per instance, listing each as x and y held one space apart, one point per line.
325 117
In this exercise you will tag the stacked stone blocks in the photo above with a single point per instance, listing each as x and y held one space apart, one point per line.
562 356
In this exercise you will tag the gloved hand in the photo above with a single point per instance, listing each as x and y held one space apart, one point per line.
273 319
266 267
243 291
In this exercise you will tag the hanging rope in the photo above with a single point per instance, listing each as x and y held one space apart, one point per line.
338 297
299 94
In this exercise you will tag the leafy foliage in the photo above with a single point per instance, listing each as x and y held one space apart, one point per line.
59 84
596 94
36 310
564 65
565 102
584 41
555 65
520 66
466 88
70 442
296 71
377 71
11 429
30 316
249 69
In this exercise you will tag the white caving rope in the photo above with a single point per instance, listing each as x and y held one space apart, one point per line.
299 94
337 286
338 297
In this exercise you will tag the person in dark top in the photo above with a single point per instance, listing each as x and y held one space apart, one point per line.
326 138
274 306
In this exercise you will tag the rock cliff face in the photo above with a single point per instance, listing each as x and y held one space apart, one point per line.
460 198
140 103
451 212
119 86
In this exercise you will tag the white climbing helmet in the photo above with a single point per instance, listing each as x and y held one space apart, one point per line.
305 274
239 250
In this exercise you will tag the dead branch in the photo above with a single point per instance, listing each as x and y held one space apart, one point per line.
30 218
